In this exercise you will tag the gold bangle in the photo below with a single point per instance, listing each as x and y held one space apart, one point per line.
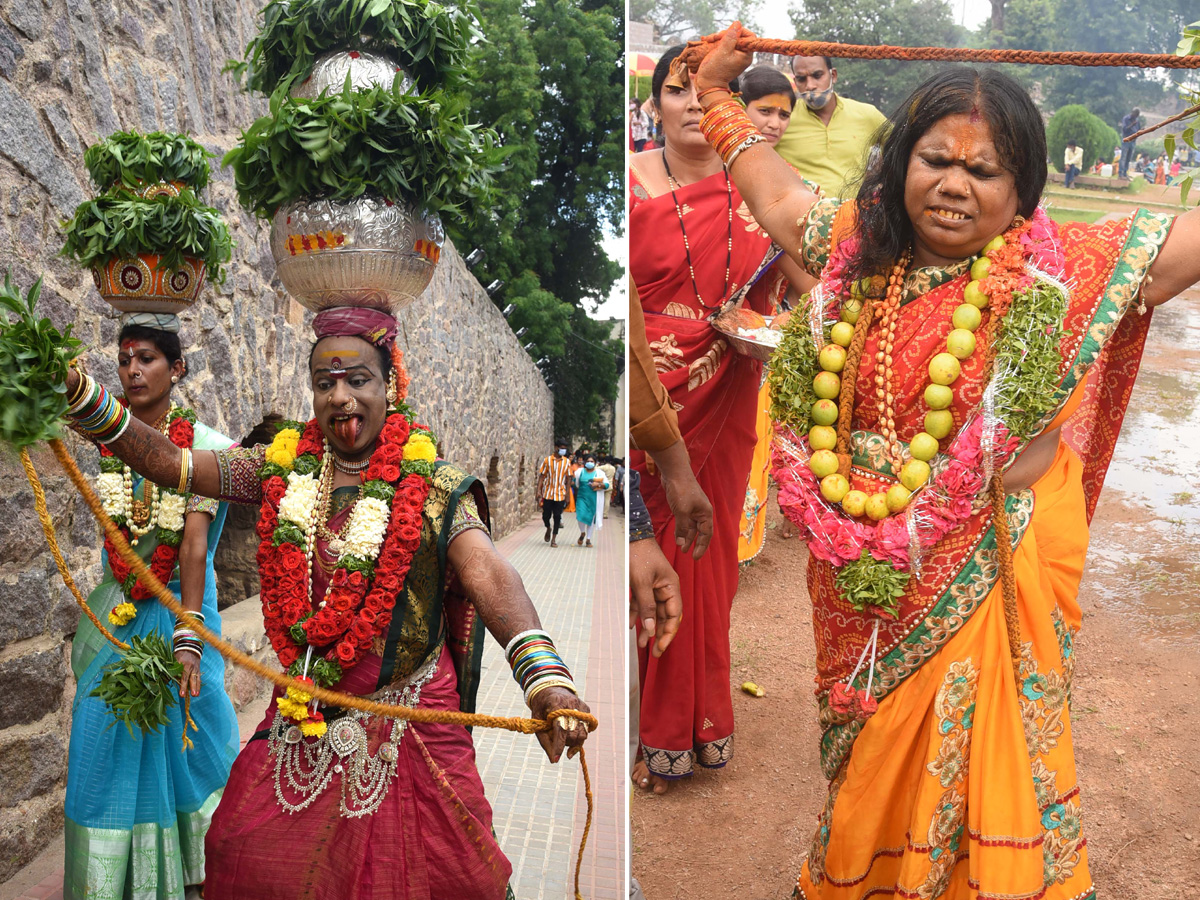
185 463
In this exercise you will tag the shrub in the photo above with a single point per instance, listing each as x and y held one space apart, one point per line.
1089 131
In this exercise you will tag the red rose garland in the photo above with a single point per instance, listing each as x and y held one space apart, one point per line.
165 555
358 606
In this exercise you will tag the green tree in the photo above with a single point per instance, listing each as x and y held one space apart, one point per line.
903 23
1075 122
681 20
1135 26
550 79
585 378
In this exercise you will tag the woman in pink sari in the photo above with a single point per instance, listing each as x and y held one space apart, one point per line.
693 246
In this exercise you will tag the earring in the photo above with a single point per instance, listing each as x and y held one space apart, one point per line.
174 379
1018 222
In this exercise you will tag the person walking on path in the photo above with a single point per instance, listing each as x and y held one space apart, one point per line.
590 485
553 489
610 473
1129 125
1072 162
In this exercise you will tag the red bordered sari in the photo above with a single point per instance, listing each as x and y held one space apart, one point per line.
686 709
962 785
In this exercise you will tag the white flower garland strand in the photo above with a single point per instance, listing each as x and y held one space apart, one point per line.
299 502
365 530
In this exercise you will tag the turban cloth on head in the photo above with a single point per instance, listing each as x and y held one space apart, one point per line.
372 325
158 321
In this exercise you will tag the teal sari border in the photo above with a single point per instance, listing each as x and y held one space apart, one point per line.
146 862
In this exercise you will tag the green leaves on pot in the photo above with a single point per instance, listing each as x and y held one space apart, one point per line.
417 148
140 686
123 226
134 160
429 39
33 368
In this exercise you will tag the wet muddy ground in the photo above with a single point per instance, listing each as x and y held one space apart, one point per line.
742 832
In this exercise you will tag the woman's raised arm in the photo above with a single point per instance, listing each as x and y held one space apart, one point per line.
143 448
775 194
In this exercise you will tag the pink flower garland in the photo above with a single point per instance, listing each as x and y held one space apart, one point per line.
942 505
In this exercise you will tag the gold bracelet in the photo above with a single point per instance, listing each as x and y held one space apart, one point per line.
185 466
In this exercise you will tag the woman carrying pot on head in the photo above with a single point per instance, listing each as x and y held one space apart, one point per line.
138 805
694 246
590 485
945 414
377 576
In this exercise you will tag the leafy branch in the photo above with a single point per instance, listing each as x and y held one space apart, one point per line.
432 38
417 148
121 226
133 160
139 686
33 368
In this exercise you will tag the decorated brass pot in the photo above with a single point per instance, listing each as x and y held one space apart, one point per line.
363 252
366 70
139 285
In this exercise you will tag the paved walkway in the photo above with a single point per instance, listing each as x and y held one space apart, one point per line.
539 808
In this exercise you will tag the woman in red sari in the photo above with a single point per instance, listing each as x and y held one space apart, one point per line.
693 246
944 593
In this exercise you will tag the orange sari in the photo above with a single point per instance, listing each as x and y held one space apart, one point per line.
962 784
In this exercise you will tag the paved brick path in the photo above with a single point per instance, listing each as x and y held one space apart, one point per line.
539 808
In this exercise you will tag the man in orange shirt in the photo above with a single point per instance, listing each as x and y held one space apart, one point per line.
554 476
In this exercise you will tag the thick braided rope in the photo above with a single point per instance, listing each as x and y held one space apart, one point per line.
850 376
955 54
39 503
1004 554
227 650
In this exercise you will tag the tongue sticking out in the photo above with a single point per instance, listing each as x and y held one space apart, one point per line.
347 430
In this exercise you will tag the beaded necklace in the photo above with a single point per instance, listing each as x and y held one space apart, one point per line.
687 249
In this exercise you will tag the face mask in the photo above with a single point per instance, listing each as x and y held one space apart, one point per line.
562 452
817 100
589 466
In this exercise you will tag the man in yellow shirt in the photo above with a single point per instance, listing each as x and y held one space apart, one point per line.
830 135
1072 162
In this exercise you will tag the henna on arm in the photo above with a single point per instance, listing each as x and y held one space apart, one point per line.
152 455
492 585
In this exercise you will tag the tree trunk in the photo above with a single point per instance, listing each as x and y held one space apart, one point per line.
997 17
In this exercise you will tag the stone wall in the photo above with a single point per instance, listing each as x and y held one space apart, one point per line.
71 71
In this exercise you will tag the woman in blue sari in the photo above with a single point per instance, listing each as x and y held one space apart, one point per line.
590 484
138 806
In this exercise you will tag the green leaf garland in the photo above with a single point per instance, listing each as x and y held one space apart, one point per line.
791 371
1030 346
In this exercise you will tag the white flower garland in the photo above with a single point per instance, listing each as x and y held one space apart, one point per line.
171 509
299 501
365 530
111 488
